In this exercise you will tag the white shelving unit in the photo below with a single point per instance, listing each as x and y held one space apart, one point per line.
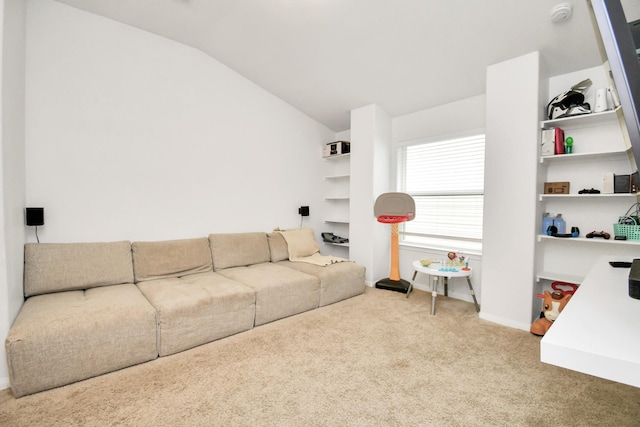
577 157
584 120
337 198
599 148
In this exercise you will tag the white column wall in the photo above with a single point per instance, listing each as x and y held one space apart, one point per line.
369 241
12 188
512 135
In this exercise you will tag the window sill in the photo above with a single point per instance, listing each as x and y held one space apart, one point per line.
432 247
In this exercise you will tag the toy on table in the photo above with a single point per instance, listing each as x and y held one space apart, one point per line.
456 260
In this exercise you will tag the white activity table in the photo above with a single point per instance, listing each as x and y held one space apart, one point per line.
437 270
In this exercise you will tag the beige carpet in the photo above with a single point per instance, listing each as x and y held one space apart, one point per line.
376 359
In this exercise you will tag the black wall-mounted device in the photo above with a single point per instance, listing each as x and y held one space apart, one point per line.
303 210
634 279
35 216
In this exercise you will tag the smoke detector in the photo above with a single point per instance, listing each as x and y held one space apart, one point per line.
561 12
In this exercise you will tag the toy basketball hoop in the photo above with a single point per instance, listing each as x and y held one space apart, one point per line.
392 219
394 208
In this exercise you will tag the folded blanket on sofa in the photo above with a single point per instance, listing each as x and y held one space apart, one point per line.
303 248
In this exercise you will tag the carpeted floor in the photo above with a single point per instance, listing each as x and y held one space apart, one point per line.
376 359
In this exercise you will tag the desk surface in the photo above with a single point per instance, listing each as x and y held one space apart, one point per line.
434 269
598 332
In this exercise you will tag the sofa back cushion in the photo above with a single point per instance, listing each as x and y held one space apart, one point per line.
170 258
238 249
278 247
55 267
300 242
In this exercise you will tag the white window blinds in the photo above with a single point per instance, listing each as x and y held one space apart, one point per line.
446 180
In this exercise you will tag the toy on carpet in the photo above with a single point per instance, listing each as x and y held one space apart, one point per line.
553 303
394 208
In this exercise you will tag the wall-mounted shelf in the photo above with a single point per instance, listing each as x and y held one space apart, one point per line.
337 156
561 277
337 176
337 187
543 197
593 240
583 120
337 221
344 245
599 148
611 155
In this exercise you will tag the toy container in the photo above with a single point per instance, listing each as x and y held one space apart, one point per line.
547 221
558 221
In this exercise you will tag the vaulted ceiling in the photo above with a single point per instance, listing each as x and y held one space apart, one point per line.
327 57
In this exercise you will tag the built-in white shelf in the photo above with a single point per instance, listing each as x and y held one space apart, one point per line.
593 240
344 245
336 197
604 155
557 276
337 221
336 156
543 197
337 177
583 120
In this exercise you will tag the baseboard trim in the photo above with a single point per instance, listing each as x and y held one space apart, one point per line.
505 322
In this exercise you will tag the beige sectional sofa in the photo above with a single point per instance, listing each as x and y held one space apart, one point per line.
93 308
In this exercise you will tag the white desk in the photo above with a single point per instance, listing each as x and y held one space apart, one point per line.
437 270
598 332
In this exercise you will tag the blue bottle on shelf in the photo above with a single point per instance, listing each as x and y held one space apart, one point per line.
560 224
547 221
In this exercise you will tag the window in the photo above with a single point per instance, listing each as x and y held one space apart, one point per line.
446 180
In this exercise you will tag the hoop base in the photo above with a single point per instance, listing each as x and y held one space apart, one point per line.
393 285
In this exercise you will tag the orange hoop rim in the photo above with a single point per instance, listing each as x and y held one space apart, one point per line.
392 219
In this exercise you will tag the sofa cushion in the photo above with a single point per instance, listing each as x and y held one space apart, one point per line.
300 242
198 308
238 249
55 267
338 281
64 337
280 291
170 258
277 247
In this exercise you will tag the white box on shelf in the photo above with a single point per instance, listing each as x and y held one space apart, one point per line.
547 143
336 148
607 183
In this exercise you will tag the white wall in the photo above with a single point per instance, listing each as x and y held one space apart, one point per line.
442 121
133 136
12 188
121 134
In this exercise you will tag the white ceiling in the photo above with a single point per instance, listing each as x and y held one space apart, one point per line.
327 57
